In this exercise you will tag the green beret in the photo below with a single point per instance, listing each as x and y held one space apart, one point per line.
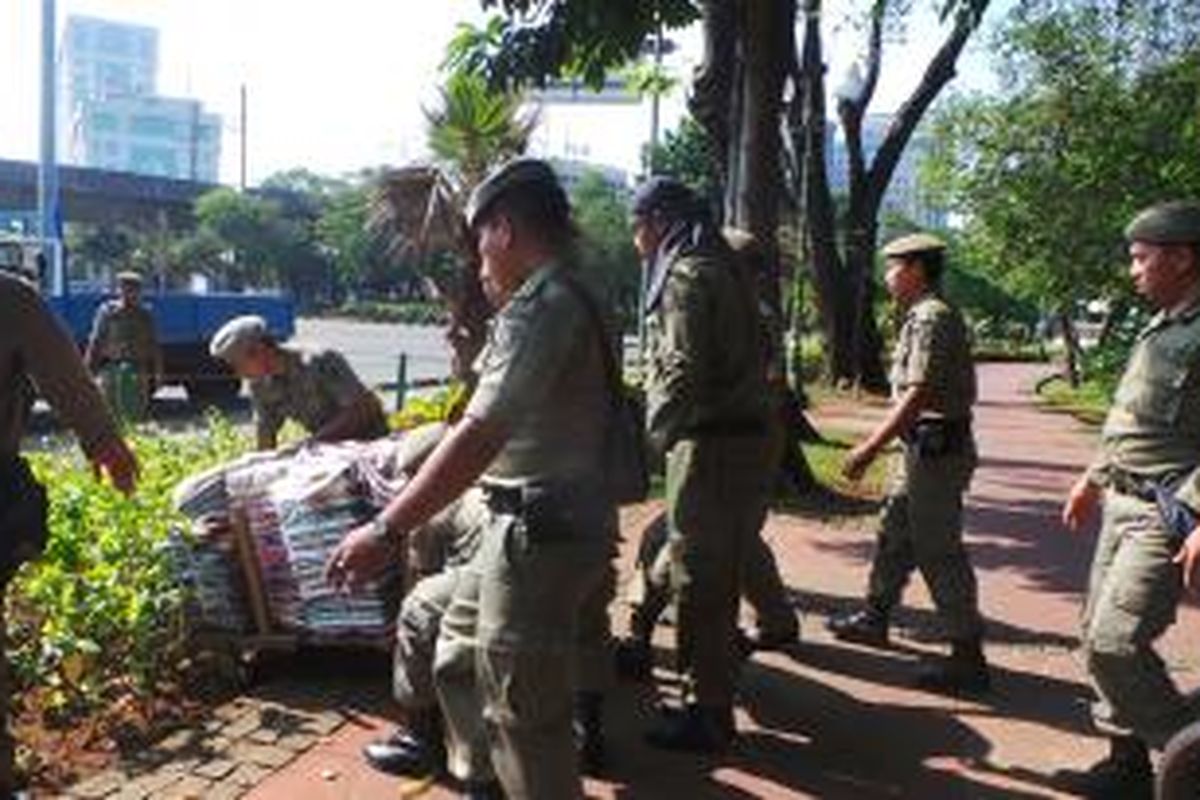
528 173
912 244
232 337
1177 222
129 276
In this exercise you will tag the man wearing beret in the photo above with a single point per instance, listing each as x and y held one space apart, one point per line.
709 413
933 386
124 346
1147 479
318 390
532 435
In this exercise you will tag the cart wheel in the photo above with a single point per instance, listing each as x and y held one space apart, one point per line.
1179 773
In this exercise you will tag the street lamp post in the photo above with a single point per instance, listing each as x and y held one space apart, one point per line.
50 222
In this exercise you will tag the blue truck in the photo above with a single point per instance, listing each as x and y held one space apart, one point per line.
185 321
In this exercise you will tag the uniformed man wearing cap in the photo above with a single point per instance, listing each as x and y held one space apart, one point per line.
532 434
933 386
709 413
1148 476
37 356
318 390
123 349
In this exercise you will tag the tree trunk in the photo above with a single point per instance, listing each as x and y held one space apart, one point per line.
844 280
738 100
1070 345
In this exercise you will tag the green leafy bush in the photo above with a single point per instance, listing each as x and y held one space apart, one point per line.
99 616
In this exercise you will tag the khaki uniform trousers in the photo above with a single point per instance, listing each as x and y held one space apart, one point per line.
1133 593
420 620
718 489
505 660
762 585
921 528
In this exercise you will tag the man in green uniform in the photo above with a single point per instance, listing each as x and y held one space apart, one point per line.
36 353
709 413
933 386
532 435
123 349
318 390
1148 476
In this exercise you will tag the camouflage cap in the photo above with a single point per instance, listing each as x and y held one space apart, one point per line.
1176 222
912 244
129 276
233 337
529 173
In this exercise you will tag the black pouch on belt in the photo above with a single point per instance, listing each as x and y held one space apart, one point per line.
23 508
1178 518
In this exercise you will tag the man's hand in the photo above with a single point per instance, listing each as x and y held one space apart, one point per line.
1189 557
1081 503
362 555
857 461
117 461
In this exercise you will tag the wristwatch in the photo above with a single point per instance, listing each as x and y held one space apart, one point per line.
379 528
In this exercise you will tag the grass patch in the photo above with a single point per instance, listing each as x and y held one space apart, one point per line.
1088 402
826 459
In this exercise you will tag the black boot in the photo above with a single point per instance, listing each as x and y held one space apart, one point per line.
633 659
868 626
589 732
415 749
693 729
1124 774
964 672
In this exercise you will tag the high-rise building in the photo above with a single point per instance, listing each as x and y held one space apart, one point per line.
904 194
115 119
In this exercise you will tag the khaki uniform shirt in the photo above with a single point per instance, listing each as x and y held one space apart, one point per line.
706 366
123 334
934 350
1153 426
541 375
312 389
33 346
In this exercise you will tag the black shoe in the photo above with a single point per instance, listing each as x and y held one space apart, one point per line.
965 671
634 660
589 733
774 640
1125 774
868 626
417 750
694 729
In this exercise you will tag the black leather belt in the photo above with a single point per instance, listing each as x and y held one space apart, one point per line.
1139 486
728 427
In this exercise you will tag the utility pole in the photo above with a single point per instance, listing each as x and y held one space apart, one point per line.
242 129
50 220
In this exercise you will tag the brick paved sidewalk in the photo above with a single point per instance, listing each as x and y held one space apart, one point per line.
828 721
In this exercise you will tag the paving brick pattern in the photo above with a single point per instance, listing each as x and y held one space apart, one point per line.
238 746
825 721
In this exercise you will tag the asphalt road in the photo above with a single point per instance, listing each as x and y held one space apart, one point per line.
374 348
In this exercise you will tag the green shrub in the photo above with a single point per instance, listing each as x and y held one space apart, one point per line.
99 616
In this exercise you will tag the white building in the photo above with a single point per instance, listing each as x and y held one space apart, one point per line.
113 117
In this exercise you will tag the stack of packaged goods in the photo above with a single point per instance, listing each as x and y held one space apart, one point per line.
296 507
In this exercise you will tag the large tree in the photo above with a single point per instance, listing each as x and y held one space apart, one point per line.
751 66
1097 117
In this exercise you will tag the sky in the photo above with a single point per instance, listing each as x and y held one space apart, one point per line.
334 87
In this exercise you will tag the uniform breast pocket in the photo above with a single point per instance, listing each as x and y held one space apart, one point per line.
1153 389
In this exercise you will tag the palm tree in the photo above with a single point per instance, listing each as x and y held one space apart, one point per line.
419 209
